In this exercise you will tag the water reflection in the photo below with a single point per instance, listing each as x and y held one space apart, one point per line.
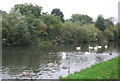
17 60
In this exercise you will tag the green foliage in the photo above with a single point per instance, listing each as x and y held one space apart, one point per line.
53 24
84 19
100 37
100 23
57 12
108 23
46 43
93 32
117 28
109 35
15 31
82 35
36 28
28 10
26 25
102 70
23 35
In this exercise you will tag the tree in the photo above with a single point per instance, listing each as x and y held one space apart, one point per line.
108 23
53 24
117 28
100 23
15 29
59 13
28 9
82 35
83 19
109 35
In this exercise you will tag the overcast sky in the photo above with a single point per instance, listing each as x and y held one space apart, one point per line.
93 8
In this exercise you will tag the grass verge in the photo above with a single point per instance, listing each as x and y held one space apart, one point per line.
103 70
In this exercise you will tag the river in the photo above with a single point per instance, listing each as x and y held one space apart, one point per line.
16 60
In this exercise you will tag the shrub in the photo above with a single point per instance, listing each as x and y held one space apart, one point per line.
82 35
100 37
109 35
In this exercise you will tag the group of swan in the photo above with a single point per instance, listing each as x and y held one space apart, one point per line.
64 57
78 48
90 47
96 47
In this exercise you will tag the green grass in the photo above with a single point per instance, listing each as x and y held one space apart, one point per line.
103 70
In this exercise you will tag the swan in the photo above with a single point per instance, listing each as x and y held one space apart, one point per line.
106 46
63 55
65 67
51 64
87 52
26 73
78 48
90 47
99 46
95 48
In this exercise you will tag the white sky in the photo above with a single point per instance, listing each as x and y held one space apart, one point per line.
93 8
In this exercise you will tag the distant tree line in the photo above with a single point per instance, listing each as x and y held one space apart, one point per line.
26 24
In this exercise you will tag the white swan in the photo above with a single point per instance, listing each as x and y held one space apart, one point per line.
106 46
90 47
96 48
63 55
87 52
78 48
99 46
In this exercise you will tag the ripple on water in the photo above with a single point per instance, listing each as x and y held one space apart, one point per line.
78 61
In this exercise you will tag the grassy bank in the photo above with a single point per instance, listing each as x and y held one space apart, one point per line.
102 70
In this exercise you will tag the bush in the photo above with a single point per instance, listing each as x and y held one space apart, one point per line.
109 35
82 35
100 37
93 31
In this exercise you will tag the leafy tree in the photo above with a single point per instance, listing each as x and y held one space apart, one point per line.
69 31
23 36
59 13
28 9
26 25
100 37
84 19
109 35
109 24
117 28
83 35
37 29
93 32
15 29
100 23
54 26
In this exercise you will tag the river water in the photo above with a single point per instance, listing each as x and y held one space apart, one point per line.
16 60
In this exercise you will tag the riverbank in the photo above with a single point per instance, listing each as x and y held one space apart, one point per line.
103 70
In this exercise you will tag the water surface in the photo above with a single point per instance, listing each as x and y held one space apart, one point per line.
16 60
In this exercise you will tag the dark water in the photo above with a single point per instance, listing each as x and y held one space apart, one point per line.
16 60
